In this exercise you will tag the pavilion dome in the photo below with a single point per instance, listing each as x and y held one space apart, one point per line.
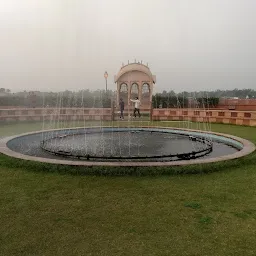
135 67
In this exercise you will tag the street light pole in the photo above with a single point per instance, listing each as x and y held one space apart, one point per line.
106 77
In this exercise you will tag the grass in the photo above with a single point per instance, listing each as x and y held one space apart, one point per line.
193 205
50 213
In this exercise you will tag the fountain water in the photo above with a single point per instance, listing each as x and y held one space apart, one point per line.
76 137
74 133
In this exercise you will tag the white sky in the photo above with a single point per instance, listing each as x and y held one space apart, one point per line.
68 44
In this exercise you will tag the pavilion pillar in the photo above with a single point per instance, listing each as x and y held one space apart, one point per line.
129 97
150 91
118 93
129 91
140 90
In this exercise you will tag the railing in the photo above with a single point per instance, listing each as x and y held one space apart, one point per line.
195 115
199 115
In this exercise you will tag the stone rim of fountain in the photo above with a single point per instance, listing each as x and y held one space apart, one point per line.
248 148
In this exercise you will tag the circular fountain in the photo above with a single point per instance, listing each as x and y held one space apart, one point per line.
125 146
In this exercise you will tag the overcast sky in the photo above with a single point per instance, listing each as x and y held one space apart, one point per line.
68 44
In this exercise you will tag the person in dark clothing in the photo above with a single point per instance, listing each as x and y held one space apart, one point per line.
121 105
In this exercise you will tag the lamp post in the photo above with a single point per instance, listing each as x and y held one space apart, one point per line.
106 77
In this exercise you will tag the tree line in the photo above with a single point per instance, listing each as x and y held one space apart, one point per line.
178 101
101 98
86 99
239 93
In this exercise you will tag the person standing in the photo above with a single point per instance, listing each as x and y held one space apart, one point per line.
121 106
136 106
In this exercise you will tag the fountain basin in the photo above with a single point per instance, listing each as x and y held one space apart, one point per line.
224 147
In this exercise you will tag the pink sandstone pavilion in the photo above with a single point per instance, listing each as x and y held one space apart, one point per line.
135 80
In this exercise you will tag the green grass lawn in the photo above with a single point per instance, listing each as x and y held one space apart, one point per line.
43 213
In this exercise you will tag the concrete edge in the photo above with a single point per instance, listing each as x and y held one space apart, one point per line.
248 147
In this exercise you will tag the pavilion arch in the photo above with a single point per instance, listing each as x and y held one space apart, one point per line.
123 93
134 90
145 93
